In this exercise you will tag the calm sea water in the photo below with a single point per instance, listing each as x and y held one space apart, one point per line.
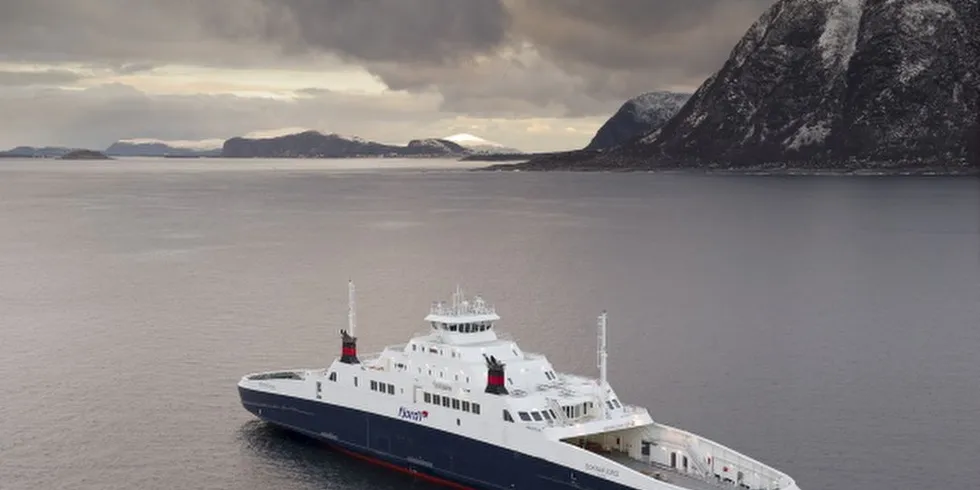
827 326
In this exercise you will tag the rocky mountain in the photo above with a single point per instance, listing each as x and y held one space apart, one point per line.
313 144
637 117
157 149
831 84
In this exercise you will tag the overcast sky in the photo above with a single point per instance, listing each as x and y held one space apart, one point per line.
532 74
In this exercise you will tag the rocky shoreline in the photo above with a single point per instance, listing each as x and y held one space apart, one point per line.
957 168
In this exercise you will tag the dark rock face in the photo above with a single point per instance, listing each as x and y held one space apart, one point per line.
636 117
837 80
853 85
312 144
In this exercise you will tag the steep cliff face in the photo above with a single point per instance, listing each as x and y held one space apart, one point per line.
837 80
637 117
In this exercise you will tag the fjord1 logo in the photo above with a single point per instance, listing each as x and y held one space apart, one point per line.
416 415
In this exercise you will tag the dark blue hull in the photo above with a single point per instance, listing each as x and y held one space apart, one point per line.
429 453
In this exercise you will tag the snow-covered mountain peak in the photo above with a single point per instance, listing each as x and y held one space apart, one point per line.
469 140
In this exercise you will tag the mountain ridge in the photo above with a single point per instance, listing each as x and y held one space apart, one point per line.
842 85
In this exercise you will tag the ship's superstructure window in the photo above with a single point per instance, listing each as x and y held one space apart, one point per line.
452 403
577 410
524 416
536 416
507 417
383 387
333 377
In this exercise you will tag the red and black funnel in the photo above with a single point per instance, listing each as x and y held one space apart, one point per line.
495 376
348 353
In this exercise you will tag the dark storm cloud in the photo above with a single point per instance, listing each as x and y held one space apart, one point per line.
484 57
687 37
409 31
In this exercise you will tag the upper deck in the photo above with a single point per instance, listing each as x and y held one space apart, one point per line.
462 343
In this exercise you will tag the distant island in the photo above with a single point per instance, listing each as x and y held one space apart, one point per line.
149 148
35 152
84 155
314 144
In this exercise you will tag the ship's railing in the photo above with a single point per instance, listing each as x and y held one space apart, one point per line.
476 306
713 458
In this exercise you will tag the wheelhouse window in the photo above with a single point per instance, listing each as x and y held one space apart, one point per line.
524 416
507 417
536 416
476 408
466 406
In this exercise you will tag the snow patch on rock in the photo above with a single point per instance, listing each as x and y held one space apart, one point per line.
808 134
840 34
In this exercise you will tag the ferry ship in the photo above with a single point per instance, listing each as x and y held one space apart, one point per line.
465 406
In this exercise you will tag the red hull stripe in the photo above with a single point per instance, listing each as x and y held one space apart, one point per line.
400 469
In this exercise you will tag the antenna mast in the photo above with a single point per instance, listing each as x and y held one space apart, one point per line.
351 316
601 354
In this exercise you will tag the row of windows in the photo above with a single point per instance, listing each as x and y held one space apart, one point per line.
464 327
613 404
453 403
383 387
543 415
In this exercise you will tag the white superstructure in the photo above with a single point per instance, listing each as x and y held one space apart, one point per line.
464 378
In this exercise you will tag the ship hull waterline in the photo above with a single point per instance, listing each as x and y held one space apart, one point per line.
430 454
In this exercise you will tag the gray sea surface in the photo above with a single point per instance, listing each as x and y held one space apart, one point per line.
828 326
